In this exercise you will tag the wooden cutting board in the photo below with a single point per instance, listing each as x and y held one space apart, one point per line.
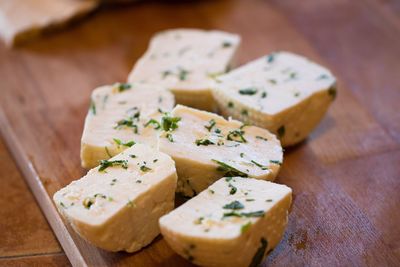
345 177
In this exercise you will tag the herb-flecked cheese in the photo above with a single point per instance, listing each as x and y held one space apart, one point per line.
282 92
186 61
116 206
119 116
206 147
217 228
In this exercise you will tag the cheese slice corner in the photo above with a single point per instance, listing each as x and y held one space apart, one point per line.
121 115
282 92
186 61
206 147
116 206
217 228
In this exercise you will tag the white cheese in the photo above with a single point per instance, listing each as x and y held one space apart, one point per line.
118 116
217 228
186 61
21 20
282 92
206 147
118 208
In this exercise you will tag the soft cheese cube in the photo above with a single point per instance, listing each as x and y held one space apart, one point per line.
116 206
206 147
119 116
221 228
282 92
186 61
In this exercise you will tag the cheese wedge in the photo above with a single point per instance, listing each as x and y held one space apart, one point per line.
116 206
282 92
186 61
119 116
206 147
218 228
21 20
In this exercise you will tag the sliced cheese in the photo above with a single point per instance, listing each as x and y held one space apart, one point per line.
218 228
206 147
120 115
21 20
116 206
282 92
186 61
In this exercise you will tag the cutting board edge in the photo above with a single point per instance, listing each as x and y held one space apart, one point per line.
36 186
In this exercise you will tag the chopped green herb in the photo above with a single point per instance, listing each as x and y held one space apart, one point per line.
211 191
130 204
264 94
241 155
249 199
259 213
271 58
160 99
62 205
88 202
281 131
120 143
204 142
104 164
237 136
155 160
183 74
297 94
244 112
217 130
261 138
245 227
144 168
110 199
228 179
113 181
226 44
138 181
233 189
276 162
132 156
293 75
169 123
234 205
92 107
169 137
198 220
166 73
268 200
273 81
229 170
248 91
123 87
210 125
322 77
257 258
259 165
154 122
230 104
127 123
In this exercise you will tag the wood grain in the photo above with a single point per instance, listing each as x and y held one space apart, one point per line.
24 230
344 177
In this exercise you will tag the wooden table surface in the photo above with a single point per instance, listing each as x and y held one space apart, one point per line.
345 177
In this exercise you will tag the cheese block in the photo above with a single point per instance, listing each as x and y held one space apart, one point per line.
218 228
116 206
186 61
21 20
119 116
282 92
206 147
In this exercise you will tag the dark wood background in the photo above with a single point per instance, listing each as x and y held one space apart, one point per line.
345 177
